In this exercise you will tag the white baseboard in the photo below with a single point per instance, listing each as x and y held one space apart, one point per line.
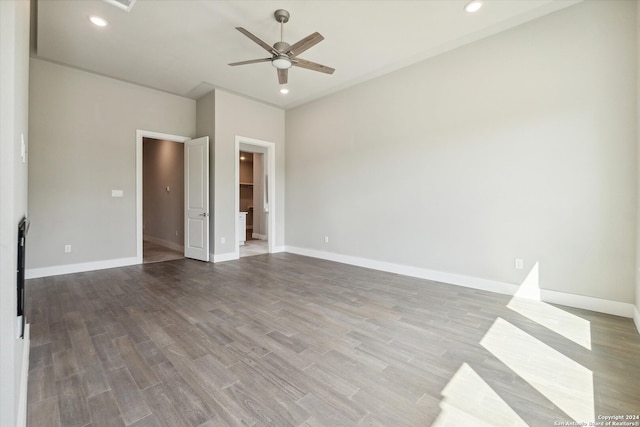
588 303
259 236
229 256
33 273
577 301
405 270
278 249
21 420
636 317
165 243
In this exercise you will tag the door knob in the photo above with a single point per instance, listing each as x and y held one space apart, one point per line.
204 214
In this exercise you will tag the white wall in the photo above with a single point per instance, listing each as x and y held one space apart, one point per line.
519 145
14 97
238 116
83 145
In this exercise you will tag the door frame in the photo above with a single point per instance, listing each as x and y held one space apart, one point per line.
270 172
140 135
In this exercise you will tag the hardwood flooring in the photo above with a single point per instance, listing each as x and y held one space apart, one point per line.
285 340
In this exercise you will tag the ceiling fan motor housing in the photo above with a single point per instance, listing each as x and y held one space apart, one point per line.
282 47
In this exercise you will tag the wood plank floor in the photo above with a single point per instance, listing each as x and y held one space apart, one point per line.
285 340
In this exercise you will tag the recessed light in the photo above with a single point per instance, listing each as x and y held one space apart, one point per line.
284 90
473 6
98 21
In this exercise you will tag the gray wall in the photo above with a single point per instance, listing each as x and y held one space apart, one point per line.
238 116
14 107
163 211
83 138
519 145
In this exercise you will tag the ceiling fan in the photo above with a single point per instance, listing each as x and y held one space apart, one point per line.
284 55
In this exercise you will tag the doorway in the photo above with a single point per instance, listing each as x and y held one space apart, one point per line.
255 196
252 231
196 191
162 200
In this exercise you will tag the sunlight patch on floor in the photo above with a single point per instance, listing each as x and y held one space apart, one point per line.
563 381
469 401
528 303
559 321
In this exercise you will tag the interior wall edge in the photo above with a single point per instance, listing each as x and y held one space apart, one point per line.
636 318
637 192
227 256
14 130
24 378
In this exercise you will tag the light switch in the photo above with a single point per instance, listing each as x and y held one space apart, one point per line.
168 189
117 193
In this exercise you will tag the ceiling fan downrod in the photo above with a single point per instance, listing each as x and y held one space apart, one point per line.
282 16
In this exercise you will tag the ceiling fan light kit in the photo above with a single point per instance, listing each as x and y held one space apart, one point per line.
284 55
282 62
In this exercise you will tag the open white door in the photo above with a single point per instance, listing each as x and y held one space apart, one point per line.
196 198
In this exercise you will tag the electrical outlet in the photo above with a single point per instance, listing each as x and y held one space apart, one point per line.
518 264
223 240
326 239
67 249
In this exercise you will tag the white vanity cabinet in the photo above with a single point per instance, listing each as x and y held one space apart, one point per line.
242 227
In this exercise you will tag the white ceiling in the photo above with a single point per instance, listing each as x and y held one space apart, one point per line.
184 46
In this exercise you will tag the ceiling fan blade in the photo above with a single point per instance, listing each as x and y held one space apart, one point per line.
283 76
251 61
264 45
312 66
304 44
